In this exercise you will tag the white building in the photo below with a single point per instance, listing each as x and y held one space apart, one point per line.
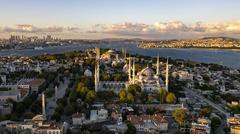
185 75
101 114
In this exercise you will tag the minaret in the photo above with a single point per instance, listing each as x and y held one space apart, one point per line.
43 105
166 81
133 76
56 92
129 70
125 53
157 69
97 69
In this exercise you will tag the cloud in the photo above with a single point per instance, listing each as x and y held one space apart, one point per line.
173 29
157 30
26 28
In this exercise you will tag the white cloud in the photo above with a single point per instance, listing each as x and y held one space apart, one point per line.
158 30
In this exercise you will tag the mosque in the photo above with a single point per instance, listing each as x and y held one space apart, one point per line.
147 79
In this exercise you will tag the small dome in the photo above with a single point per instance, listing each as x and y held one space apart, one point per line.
38 117
110 51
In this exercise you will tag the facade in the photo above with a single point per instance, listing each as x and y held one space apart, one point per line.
5 108
202 126
149 123
12 94
37 125
234 123
35 84
78 118
101 114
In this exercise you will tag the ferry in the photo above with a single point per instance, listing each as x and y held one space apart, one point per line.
38 48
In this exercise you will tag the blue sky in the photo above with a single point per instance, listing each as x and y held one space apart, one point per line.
86 13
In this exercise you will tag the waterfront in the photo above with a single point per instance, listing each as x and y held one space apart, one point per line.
225 57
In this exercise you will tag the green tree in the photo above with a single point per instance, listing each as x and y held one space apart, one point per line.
91 96
163 94
130 98
134 89
56 116
131 129
170 98
69 131
206 111
123 95
150 99
179 115
215 123
82 90
70 109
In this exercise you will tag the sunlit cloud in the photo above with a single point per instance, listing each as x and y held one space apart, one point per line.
157 30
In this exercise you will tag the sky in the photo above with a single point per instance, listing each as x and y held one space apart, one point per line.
93 19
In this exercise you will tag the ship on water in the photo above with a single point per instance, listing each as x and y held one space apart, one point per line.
38 48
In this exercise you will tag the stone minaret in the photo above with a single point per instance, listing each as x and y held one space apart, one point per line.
43 105
56 92
133 75
129 70
97 69
157 68
167 81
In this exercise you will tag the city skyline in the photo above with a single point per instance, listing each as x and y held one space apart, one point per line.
121 19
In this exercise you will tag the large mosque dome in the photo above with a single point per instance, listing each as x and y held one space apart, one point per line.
147 73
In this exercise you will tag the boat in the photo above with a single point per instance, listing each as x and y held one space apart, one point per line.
38 48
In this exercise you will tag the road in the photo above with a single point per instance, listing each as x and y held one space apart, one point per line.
51 102
219 130
202 98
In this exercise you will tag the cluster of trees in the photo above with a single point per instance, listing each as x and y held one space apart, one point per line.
84 93
180 116
215 123
167 97
118 76
206 111
134 93
19 108
67 56
131 94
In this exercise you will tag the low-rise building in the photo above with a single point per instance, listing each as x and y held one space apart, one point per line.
202 126
35 84
234 123
78 118
101 114
149 123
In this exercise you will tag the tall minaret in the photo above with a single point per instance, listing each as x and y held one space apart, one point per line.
157 69
56 93
97 69
133 76
129 69
43 105
125 53
166 81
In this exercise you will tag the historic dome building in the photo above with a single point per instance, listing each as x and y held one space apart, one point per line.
147 79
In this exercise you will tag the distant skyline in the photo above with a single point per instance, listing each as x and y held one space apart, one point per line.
95 19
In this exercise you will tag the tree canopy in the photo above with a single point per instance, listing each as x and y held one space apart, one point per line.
179 115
